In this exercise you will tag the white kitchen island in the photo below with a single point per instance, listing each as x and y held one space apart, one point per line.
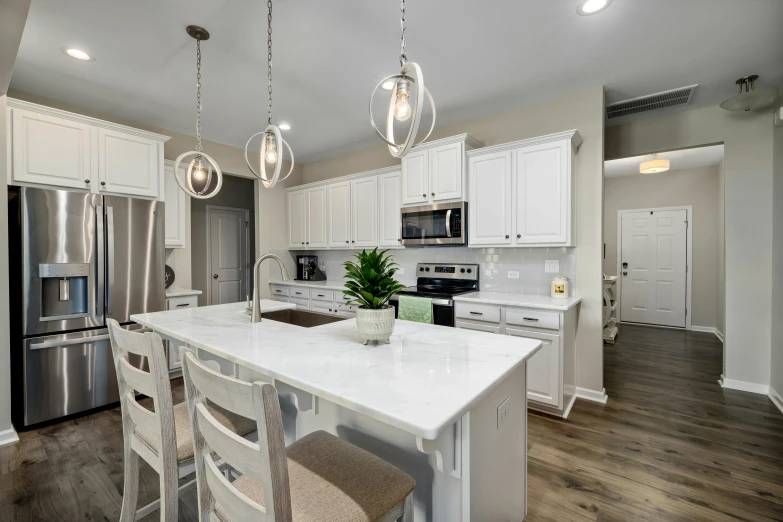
448 406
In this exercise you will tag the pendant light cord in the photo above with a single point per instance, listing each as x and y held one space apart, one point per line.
403 56
198 95
269 57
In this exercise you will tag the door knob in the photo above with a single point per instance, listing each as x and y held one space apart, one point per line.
214 276
625 273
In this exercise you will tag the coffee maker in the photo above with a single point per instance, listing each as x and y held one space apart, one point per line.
307 269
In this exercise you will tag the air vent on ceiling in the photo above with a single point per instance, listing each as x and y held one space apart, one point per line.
651 102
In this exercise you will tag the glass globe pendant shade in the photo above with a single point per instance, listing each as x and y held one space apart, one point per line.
747 101
409 81
654 166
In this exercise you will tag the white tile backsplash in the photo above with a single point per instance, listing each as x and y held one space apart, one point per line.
495 265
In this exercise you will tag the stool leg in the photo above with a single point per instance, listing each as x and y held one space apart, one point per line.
169 494
407 509
130 494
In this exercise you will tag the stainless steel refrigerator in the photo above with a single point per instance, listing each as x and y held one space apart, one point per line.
77 259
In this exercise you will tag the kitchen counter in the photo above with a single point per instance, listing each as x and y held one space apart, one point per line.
446 405
181 292
526 300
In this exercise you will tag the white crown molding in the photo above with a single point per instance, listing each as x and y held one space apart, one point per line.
470 142
592 395
86 120
751 387
8 436
349 177
775 398
573 135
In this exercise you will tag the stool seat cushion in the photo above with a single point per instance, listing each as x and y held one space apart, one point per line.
333 480
236 423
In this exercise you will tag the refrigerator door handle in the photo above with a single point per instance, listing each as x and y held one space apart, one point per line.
109 258
69 342
100 288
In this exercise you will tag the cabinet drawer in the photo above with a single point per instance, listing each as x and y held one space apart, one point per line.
279 290
478 327
346 310
281 298
177 303
535 318
323 308
299 293
478 312
322 295
301 304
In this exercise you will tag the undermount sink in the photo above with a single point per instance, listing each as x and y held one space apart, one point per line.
301 318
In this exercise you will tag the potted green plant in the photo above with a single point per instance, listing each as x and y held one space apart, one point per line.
371 284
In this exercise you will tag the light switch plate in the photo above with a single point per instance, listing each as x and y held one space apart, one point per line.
503 411
513 274
552 266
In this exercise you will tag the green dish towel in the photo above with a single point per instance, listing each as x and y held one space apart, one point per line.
417 309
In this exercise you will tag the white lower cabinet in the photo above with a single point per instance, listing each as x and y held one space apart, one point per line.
324 308
551 372
315 299
177 303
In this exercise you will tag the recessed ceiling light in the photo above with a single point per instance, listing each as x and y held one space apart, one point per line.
284 126
591 7
388 85
78 54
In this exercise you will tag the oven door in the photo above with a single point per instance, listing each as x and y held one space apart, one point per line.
442 310
443 224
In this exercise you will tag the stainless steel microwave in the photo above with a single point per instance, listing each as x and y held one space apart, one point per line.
442 224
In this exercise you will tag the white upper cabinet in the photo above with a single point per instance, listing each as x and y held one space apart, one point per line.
489 215
339 215
177 208
415 178
389 210
435 171
364 212
128 164
541 189
49 150
65 150
296 219
533 205
316 218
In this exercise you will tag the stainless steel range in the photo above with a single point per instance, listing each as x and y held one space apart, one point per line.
76 260
441 282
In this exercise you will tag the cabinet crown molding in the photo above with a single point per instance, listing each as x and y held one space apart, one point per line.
470 142
573 135
13 103
348 177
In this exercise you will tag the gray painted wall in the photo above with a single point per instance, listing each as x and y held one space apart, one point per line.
236 193
695 187
777 259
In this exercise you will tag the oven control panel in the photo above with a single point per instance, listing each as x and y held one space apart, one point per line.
455 271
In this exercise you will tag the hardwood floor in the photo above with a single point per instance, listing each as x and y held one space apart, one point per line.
671 444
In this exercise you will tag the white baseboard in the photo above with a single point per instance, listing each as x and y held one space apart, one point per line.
751 387
719 335
592 395
775 398
708 329
8 436
570 405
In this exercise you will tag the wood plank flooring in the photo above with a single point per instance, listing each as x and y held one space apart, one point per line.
671 444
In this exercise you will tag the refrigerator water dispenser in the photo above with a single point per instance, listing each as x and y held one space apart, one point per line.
63 290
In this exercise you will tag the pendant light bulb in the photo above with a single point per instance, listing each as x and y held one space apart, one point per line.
271 151
198 171
402 109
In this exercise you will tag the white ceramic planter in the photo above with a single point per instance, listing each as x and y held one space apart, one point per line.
375 325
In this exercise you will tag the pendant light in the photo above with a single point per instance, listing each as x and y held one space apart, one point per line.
198 178
272 141
749 99
654 166
408 81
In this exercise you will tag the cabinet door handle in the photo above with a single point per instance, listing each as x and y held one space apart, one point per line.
433 193
86 180
320 295
424 195
476 313
519 236
346 240
530 319
506 236
103 183
183 304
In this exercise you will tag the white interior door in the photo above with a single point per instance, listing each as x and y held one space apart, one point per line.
228 240
653 267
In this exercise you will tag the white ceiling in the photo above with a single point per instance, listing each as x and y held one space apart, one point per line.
478 58
679 160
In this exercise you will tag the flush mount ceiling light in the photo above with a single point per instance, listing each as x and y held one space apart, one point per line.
654 166
78 54
749 99
272 141
198 178
409 81
591 7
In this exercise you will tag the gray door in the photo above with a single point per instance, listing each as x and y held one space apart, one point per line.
135 257
61 247
228 243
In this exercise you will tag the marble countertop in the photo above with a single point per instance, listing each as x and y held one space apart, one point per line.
329 284
181 292
422 382
528 300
